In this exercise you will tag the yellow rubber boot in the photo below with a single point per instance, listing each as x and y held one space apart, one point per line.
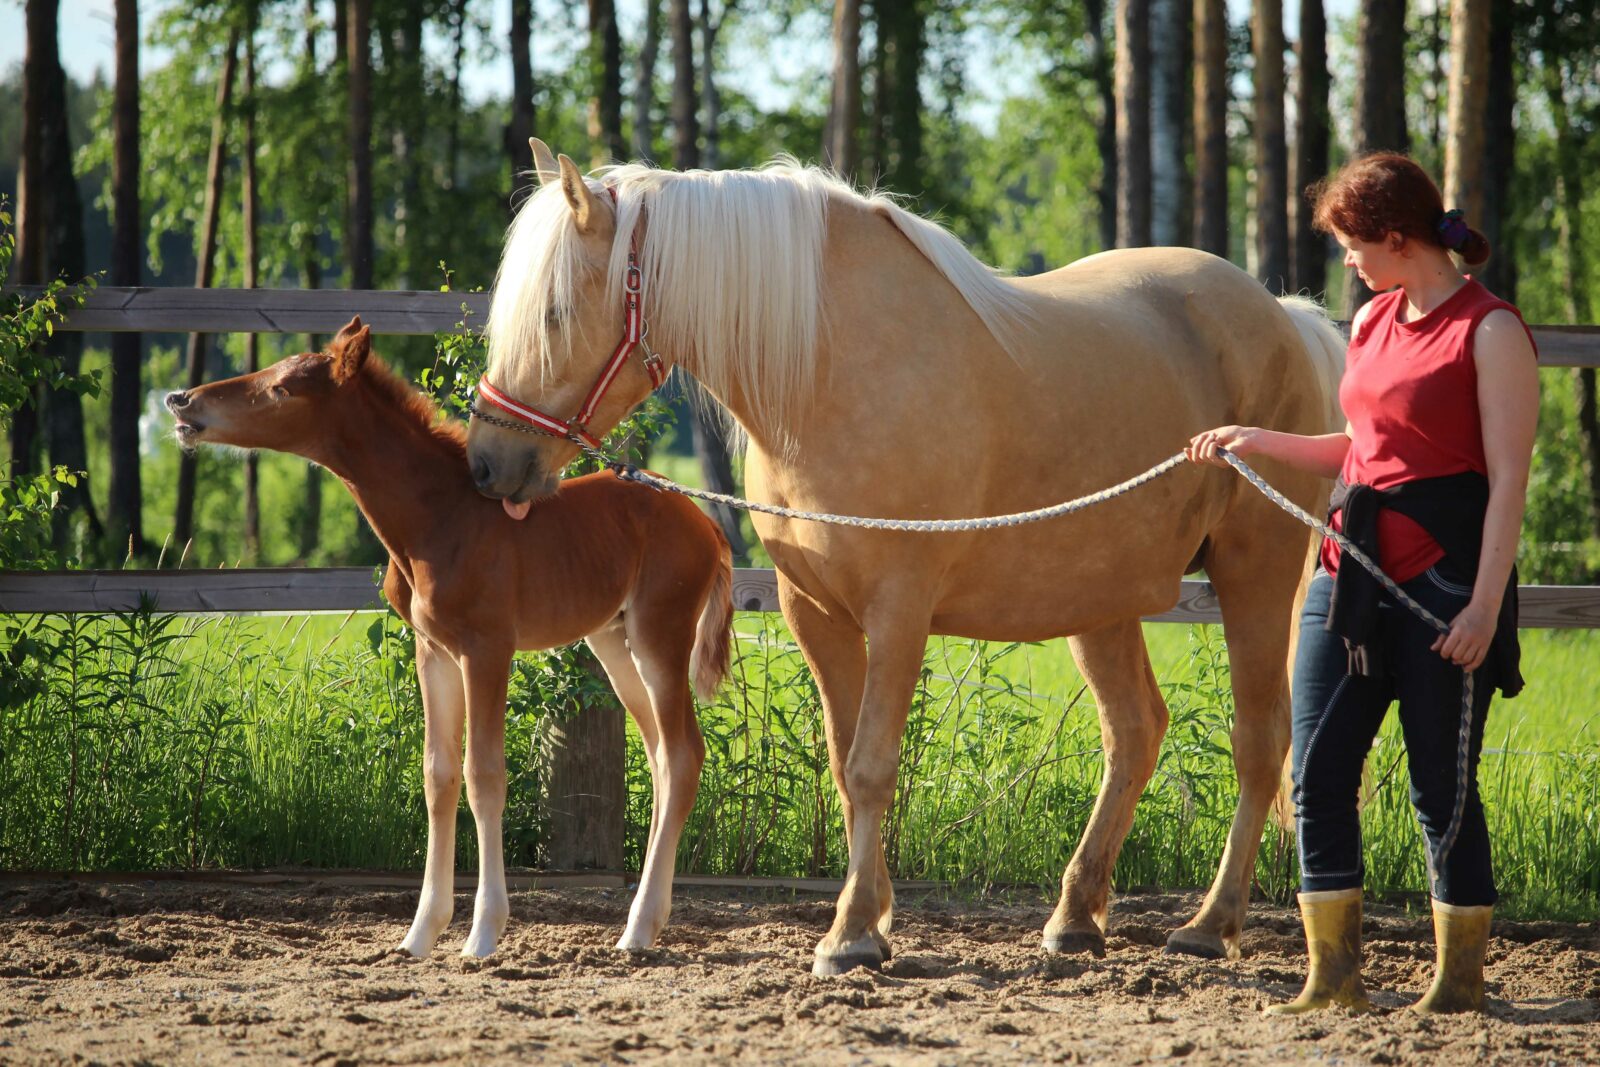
1333 940
1462 936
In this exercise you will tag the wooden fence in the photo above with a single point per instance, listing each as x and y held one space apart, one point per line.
343 589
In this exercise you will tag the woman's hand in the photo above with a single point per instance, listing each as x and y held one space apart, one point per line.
1467 643
1240 440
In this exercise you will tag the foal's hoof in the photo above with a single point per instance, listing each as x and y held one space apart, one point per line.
1187 941
1073 942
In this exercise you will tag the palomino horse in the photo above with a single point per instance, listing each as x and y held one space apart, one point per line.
878 369
645 577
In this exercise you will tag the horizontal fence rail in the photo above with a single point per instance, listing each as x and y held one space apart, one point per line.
111 309
288 589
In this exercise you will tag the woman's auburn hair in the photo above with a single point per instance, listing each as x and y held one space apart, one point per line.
1381 193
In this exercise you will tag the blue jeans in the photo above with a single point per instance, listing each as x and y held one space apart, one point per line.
1337 715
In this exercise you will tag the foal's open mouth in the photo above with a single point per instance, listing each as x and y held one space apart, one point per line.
188 432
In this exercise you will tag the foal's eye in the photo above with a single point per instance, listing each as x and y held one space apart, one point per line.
279 393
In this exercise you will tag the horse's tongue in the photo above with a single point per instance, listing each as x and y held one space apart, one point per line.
516 511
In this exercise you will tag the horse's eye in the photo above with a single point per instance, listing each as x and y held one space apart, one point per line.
552 318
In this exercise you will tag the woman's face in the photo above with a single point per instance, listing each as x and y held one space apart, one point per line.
1378 262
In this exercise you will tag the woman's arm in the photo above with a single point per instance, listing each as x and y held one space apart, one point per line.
1508 405
1322 454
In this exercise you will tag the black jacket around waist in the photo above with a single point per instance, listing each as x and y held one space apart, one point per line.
1451 509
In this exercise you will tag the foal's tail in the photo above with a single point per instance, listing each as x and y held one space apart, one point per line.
713 637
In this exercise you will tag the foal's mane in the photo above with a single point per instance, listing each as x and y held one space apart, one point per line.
413 405
732 264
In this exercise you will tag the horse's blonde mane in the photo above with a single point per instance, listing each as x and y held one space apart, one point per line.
732 265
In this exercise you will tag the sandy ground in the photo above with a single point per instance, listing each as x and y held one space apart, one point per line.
159 972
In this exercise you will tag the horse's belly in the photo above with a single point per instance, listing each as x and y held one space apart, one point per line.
1032 602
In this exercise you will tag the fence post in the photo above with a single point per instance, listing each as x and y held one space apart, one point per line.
584 787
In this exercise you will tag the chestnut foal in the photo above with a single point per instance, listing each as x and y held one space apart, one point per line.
643 576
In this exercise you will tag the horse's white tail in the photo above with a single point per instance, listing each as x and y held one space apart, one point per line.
713 636
1325 346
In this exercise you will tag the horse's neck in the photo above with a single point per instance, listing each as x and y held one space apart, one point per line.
400 473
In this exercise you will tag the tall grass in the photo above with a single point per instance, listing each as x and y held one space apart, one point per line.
146 740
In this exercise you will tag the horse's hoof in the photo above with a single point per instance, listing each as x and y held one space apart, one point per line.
1186 941
885 951
1071 942
833 966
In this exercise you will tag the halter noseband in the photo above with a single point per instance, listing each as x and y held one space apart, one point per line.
530 419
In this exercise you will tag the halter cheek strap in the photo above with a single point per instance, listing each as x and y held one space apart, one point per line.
576 429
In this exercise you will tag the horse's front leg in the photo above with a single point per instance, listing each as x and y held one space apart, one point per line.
895 647
486 676
444 709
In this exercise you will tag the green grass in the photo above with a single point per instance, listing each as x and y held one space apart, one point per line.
145 741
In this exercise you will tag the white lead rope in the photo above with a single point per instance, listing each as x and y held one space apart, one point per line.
1020 518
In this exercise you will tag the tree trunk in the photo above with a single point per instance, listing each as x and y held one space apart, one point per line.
195 363
605 71
711 151
521 125
584 784
252 341
1380 100
53 219
878 130
1133 123
125 513
1169 119
1569 166
1499 274
1311 149
842 147
903 68
28 263
685 103
1465 168
1271 152
644 88
1100 62
310 534
358 194
1211 126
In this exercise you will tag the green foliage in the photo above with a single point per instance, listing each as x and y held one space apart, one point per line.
143 740
28 502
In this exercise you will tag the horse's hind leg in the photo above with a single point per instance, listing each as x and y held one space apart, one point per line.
1255 570
444 711
659 646
836 652
610 646
1133 718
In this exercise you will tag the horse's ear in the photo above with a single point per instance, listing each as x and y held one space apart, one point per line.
585 206
350 350
544 161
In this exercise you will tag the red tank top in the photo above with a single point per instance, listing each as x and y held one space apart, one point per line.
1410 392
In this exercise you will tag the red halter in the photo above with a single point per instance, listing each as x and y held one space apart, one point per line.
577 428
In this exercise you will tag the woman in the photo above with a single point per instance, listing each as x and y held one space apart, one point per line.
1441 393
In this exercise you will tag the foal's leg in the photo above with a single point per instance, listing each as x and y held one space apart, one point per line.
611 648
487 674
443 710
1256 587
1133 717
660 648
896 641
836 652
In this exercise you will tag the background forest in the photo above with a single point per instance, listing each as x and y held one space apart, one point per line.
382 144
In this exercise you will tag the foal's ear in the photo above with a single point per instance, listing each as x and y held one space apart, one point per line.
350 350
544 161
585 205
